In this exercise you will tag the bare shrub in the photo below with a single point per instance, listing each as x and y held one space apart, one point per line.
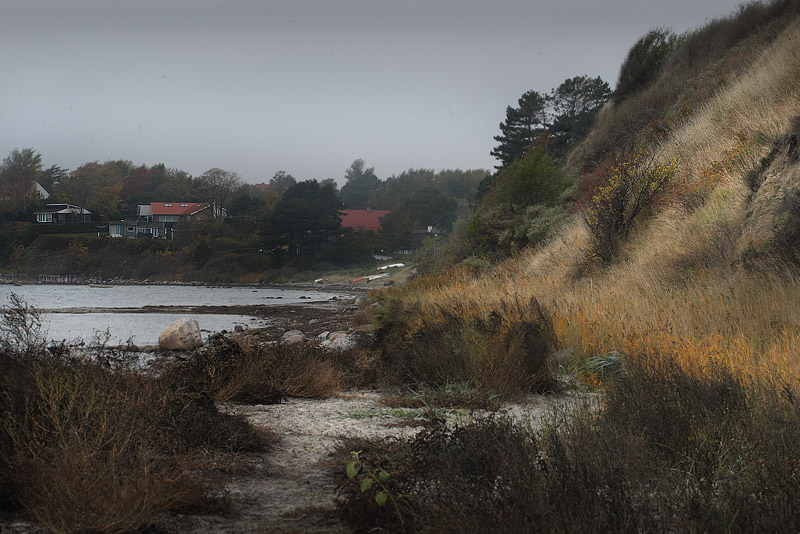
20 327
89 447
672 450
236 369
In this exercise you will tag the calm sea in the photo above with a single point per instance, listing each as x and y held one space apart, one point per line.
71 312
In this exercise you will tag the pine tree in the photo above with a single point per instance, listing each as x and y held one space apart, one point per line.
575 104
522 127
360 186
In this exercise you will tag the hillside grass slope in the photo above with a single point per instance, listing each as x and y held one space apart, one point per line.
673 290
710 270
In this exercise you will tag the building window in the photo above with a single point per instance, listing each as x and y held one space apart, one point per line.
131 229
167 205
184 205
44 217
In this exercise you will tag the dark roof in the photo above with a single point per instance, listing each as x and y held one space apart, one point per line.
63 208
363 219
177 208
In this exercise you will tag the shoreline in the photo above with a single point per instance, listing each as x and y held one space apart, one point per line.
130 282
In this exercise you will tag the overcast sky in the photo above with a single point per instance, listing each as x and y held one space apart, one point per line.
306 86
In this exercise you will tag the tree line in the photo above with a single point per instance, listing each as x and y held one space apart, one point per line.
294 219
298 222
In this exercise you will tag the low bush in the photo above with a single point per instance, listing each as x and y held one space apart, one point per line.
671 450
497 231
629 188
241 370
505 351
89 447
447 395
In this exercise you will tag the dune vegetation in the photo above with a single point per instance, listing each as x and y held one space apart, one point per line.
671 288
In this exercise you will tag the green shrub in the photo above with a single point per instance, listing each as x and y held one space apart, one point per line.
630 187
643 63
533 179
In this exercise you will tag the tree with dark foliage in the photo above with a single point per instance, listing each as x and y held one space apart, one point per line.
575 104
643 63
18 173
301 222
361 184
523 125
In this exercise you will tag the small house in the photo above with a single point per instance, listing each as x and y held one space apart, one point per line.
172 212
62 213
158 219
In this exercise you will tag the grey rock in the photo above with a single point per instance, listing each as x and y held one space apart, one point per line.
293 340
339 343
337 335
291 333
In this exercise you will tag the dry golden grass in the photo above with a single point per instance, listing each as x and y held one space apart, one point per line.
241 370
758 105
751 321
677 288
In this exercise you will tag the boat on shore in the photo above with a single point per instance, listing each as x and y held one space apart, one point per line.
102 286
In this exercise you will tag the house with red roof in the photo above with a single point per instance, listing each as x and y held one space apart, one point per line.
158 219
367 219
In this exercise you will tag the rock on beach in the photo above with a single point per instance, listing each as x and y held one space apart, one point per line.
183 334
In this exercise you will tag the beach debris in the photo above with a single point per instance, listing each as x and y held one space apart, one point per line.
370 278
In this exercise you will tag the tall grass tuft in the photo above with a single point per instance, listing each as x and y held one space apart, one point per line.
239 369
503 350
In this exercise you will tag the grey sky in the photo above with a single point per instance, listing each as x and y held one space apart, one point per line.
306 86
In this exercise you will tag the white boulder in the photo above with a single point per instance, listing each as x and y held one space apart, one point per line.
339 341
183 334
